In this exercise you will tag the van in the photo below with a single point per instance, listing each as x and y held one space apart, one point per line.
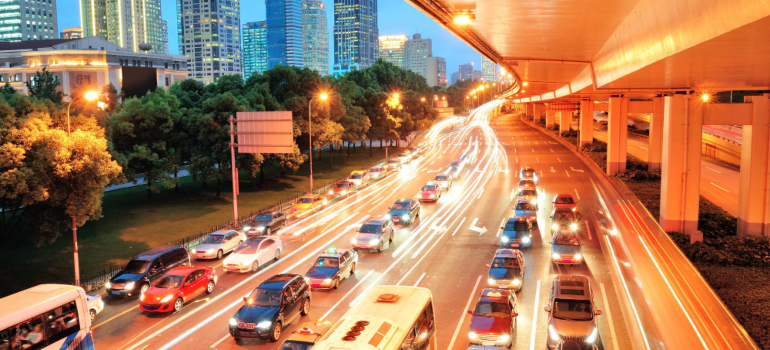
144 269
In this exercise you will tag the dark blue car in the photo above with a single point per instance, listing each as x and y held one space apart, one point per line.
517 233
270 307
330 268
404 211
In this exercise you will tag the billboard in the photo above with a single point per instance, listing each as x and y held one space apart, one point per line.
265 132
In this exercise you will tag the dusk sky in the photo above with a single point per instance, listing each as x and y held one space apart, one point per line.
395 17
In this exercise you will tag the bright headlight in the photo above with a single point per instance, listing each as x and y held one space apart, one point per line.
375 241
553 333
556 256
526 240
405 217
328 280
593 336
504 239
387 216
578 257
555 226
233 322
491 281
108 285
354 241
307 280
141 297
343 192
516 282
130 286
194 251
166 299
472 335
210 251
246 228
573 227
264 324
505 337
331 191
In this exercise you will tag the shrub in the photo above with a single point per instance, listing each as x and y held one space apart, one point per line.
596 146
639 175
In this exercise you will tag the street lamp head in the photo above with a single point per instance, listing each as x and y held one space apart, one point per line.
486 86
525 83
422 99
323 96
463 19
443 97
705 97
91 95
395 95
435 98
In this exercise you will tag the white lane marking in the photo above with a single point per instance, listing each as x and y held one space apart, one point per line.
567 173
719 187
577 194
419 280
500 230
512 192
609 318
334 307
515 151
588 228
220 340
431 163
534 317
465 312
537 159
551 150
644 148
714 170
557 158
458 226
541 173
480 192
533 150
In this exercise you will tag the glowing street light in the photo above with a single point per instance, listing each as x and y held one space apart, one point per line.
395 95
463 19
323 97
89 95
525 83
705 97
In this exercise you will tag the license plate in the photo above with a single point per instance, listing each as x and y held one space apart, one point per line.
488 343
514 245
115 292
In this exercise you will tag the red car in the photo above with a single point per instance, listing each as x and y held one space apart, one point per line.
342 189
430 192
564 200
177 287
494 319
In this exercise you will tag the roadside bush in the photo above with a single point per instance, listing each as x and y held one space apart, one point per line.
633 129
596 146
727 251
639 175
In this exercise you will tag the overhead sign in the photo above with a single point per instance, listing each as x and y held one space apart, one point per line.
265 132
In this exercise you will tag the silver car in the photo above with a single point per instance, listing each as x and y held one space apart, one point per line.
217 244
95 305
566 248
443 180
572 311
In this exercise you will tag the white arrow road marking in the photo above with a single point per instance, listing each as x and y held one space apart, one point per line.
576 170
503 170
553 170
567 173
480 230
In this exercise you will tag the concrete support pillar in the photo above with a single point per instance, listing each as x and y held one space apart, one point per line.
754 182
66 87
617 135
565 121
550 118
656 134
586 122
538 112
680 175
530 109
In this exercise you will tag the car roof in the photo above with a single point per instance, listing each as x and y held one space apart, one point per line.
156 252
327 254
528 169
403 201
564 195
562 210
343 182
441 174
278 282
507 253
358 172
572 287
183 270
269 212
492 295
309 196
223 231
375 221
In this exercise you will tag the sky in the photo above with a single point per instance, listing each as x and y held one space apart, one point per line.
395 17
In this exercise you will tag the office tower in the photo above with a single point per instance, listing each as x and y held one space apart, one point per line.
210 38
355 35
254 48
476 75
127 23
28 20
284 33
392 49
436 72
164 36
71 33
315 36
416 53
488 69
466 71
455 78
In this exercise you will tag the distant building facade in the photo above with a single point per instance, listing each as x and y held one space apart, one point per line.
71 33
488 69
254 48
210 38
436 73
466 71
126 23
315 36
28 20
416 52
455 78
392 49
355 34
284 33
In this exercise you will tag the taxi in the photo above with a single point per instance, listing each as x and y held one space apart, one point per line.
331 267
430 192
358 178
564 220
527 184
494 318
528 174
564 201
307 204
306 336
507 269
342 189
375 172
393 165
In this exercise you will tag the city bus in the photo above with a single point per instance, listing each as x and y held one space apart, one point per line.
47 317
385 318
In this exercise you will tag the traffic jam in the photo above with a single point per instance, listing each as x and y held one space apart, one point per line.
167 278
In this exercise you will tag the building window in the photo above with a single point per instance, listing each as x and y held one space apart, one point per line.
17 77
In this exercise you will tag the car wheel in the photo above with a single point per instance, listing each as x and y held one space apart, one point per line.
210 287
268 231
305 307
275 334
391 238
379 247
277 254
353 269
178 304
145 287
236 339
92 312
219 254
336 283
255 266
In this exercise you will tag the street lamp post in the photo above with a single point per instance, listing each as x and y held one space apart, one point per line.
323 96
90 95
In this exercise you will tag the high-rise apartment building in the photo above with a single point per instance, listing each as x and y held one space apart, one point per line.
284 33
355 34
392 49
126 23
315 36
28 20
416 52
254 48
436 72
455 78
466 71
71 33
210 37
488 69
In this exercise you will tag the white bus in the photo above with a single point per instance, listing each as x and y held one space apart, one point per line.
385 318
48 316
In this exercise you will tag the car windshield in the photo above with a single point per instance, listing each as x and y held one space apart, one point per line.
327 262
528 193
429 188
525 206
563 216
307 200
574 310
264 218
265 297
344 185
248 247
527 183
455 164
566 240
505 263
400 206
214 239
356 176
499 310
564 200
520 226
441 178
375 170
369 229
170 281
296 345
393 161
136 266
529 173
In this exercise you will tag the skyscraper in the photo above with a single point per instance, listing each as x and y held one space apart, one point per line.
488 69
254 48
210 37
355 34
15 20
126 23
466 71
392 49
315 36
416 53
284 33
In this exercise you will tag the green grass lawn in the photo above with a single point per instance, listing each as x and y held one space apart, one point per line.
132 223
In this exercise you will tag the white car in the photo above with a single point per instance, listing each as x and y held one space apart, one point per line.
443 180
217 244
95 305
527 195
358 177
375 172
253 253
404 158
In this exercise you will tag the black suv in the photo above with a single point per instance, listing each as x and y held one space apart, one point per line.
272 305
404 211
145 268
266 223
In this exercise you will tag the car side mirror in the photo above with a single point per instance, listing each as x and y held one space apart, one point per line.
547 309
598 312
502 228
514 314
470 312
246 300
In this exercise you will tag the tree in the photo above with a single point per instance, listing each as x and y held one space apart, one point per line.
7 90
43 86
